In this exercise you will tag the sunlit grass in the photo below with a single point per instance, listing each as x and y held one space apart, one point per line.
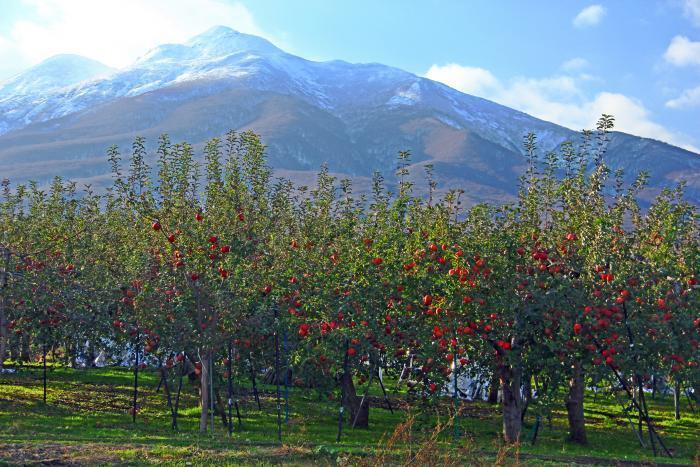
87 419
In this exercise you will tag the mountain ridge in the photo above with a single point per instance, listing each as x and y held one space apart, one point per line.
355 117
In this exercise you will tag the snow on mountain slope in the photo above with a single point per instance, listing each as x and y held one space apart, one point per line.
353 116
223 57
24 97
220 53
220 41
53 74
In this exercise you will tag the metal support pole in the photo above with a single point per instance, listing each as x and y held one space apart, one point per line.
342 392
277 379
136 376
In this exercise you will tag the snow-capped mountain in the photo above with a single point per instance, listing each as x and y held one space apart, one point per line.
353 116
24 98
52 75
244 60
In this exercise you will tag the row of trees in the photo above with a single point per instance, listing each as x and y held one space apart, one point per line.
573 285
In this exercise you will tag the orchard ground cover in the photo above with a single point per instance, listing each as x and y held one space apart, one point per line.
86 421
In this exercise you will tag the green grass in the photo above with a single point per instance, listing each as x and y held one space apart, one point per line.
86 421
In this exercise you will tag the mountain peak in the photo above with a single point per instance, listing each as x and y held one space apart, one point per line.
222 40
215 31
353 116
54 73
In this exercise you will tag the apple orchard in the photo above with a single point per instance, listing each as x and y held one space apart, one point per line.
219 269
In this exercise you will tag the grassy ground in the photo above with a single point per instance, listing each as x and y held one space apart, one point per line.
86 421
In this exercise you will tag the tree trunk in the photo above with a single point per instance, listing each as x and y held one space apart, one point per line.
64 355
4 334
166 386
494 387
204 390
183 372
574 406
677 399
91 356
512 402
527 388
24 356
277 377
351 402
3 329
220 407
696 391
14 345
72 350
134 406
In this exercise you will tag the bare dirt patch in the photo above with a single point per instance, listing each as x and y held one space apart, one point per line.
57 454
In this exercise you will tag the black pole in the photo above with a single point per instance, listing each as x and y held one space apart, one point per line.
362 401
639 383
456 395
230 390
640 426
255 387
342 392
286 378
642 399
642 406
277 379
238 414
690 402
536 430
136 376
44 372
386 398
235 400
179 390
167 390
652 431
160 369
624 410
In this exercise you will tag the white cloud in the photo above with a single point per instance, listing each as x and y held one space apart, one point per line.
559 99
574 64
689 98
118 31
10 62
682 51
632 117
589 16
472 80
691 8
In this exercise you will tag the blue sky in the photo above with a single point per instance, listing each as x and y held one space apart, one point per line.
563 61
